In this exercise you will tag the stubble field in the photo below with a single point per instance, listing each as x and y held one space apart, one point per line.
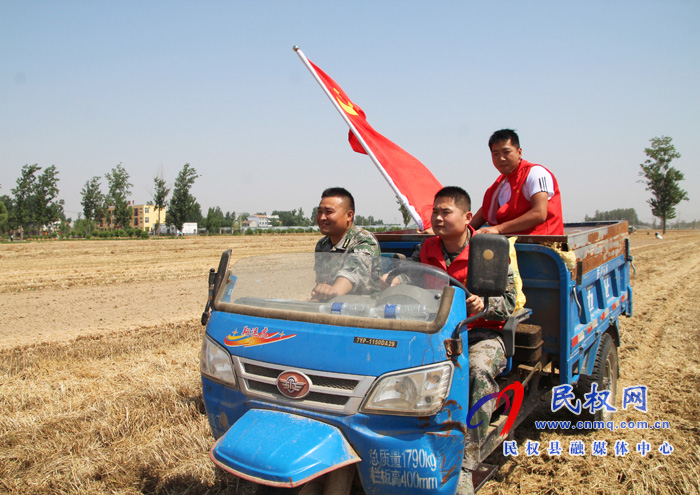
100 390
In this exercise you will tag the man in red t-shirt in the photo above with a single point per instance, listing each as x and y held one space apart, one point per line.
525 198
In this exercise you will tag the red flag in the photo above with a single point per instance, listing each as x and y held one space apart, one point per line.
411 179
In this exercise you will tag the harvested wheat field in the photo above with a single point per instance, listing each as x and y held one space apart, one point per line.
100 390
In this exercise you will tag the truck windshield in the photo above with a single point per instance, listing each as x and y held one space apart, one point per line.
383 288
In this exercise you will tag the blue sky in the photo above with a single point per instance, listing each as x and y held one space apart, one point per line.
154 85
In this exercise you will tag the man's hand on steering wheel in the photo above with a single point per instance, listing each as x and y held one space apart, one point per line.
475 304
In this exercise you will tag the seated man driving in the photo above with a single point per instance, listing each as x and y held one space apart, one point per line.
356 268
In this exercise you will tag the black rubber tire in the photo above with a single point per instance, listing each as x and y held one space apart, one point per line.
605 374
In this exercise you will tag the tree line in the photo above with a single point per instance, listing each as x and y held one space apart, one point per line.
217 221
35 206
629 214
113 206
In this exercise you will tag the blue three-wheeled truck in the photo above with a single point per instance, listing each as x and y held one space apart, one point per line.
372 389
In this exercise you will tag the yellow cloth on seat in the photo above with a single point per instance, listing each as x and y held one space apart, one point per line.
520 295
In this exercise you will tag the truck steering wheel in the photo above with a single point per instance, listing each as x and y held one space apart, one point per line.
427 270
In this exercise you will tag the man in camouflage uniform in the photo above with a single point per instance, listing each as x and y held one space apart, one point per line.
487 360
356 266
450 251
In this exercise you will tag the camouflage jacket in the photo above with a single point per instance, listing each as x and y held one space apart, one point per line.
357 260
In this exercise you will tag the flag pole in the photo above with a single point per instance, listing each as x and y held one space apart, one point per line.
403 199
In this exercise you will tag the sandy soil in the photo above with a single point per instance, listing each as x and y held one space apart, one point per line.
57 290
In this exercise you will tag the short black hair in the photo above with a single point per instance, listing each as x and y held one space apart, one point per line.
504 135
456 194
339 192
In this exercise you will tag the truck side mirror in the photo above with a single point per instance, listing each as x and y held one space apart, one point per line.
489 257
221 273
215 281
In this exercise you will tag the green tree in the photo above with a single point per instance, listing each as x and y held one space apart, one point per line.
214 221
36 200
182 204
230 220
366 221
4 216
301 219
287 218
160 198
49 208
82 227
119 191
293 218
93 202
24 211
662 179
8 204
194 214
405 214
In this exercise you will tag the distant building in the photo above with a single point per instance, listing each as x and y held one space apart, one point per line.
260 221
189 228
144 217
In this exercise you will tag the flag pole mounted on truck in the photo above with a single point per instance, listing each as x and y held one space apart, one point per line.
409 179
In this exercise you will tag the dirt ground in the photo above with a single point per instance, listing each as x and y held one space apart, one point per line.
100 391
57 290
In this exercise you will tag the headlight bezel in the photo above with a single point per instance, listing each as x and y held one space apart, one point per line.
405 379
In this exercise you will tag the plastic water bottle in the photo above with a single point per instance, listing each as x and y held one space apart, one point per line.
417 312
348 309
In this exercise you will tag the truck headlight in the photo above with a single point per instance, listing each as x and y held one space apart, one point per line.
215 362
418 392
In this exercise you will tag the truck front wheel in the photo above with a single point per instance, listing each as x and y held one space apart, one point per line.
605 373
